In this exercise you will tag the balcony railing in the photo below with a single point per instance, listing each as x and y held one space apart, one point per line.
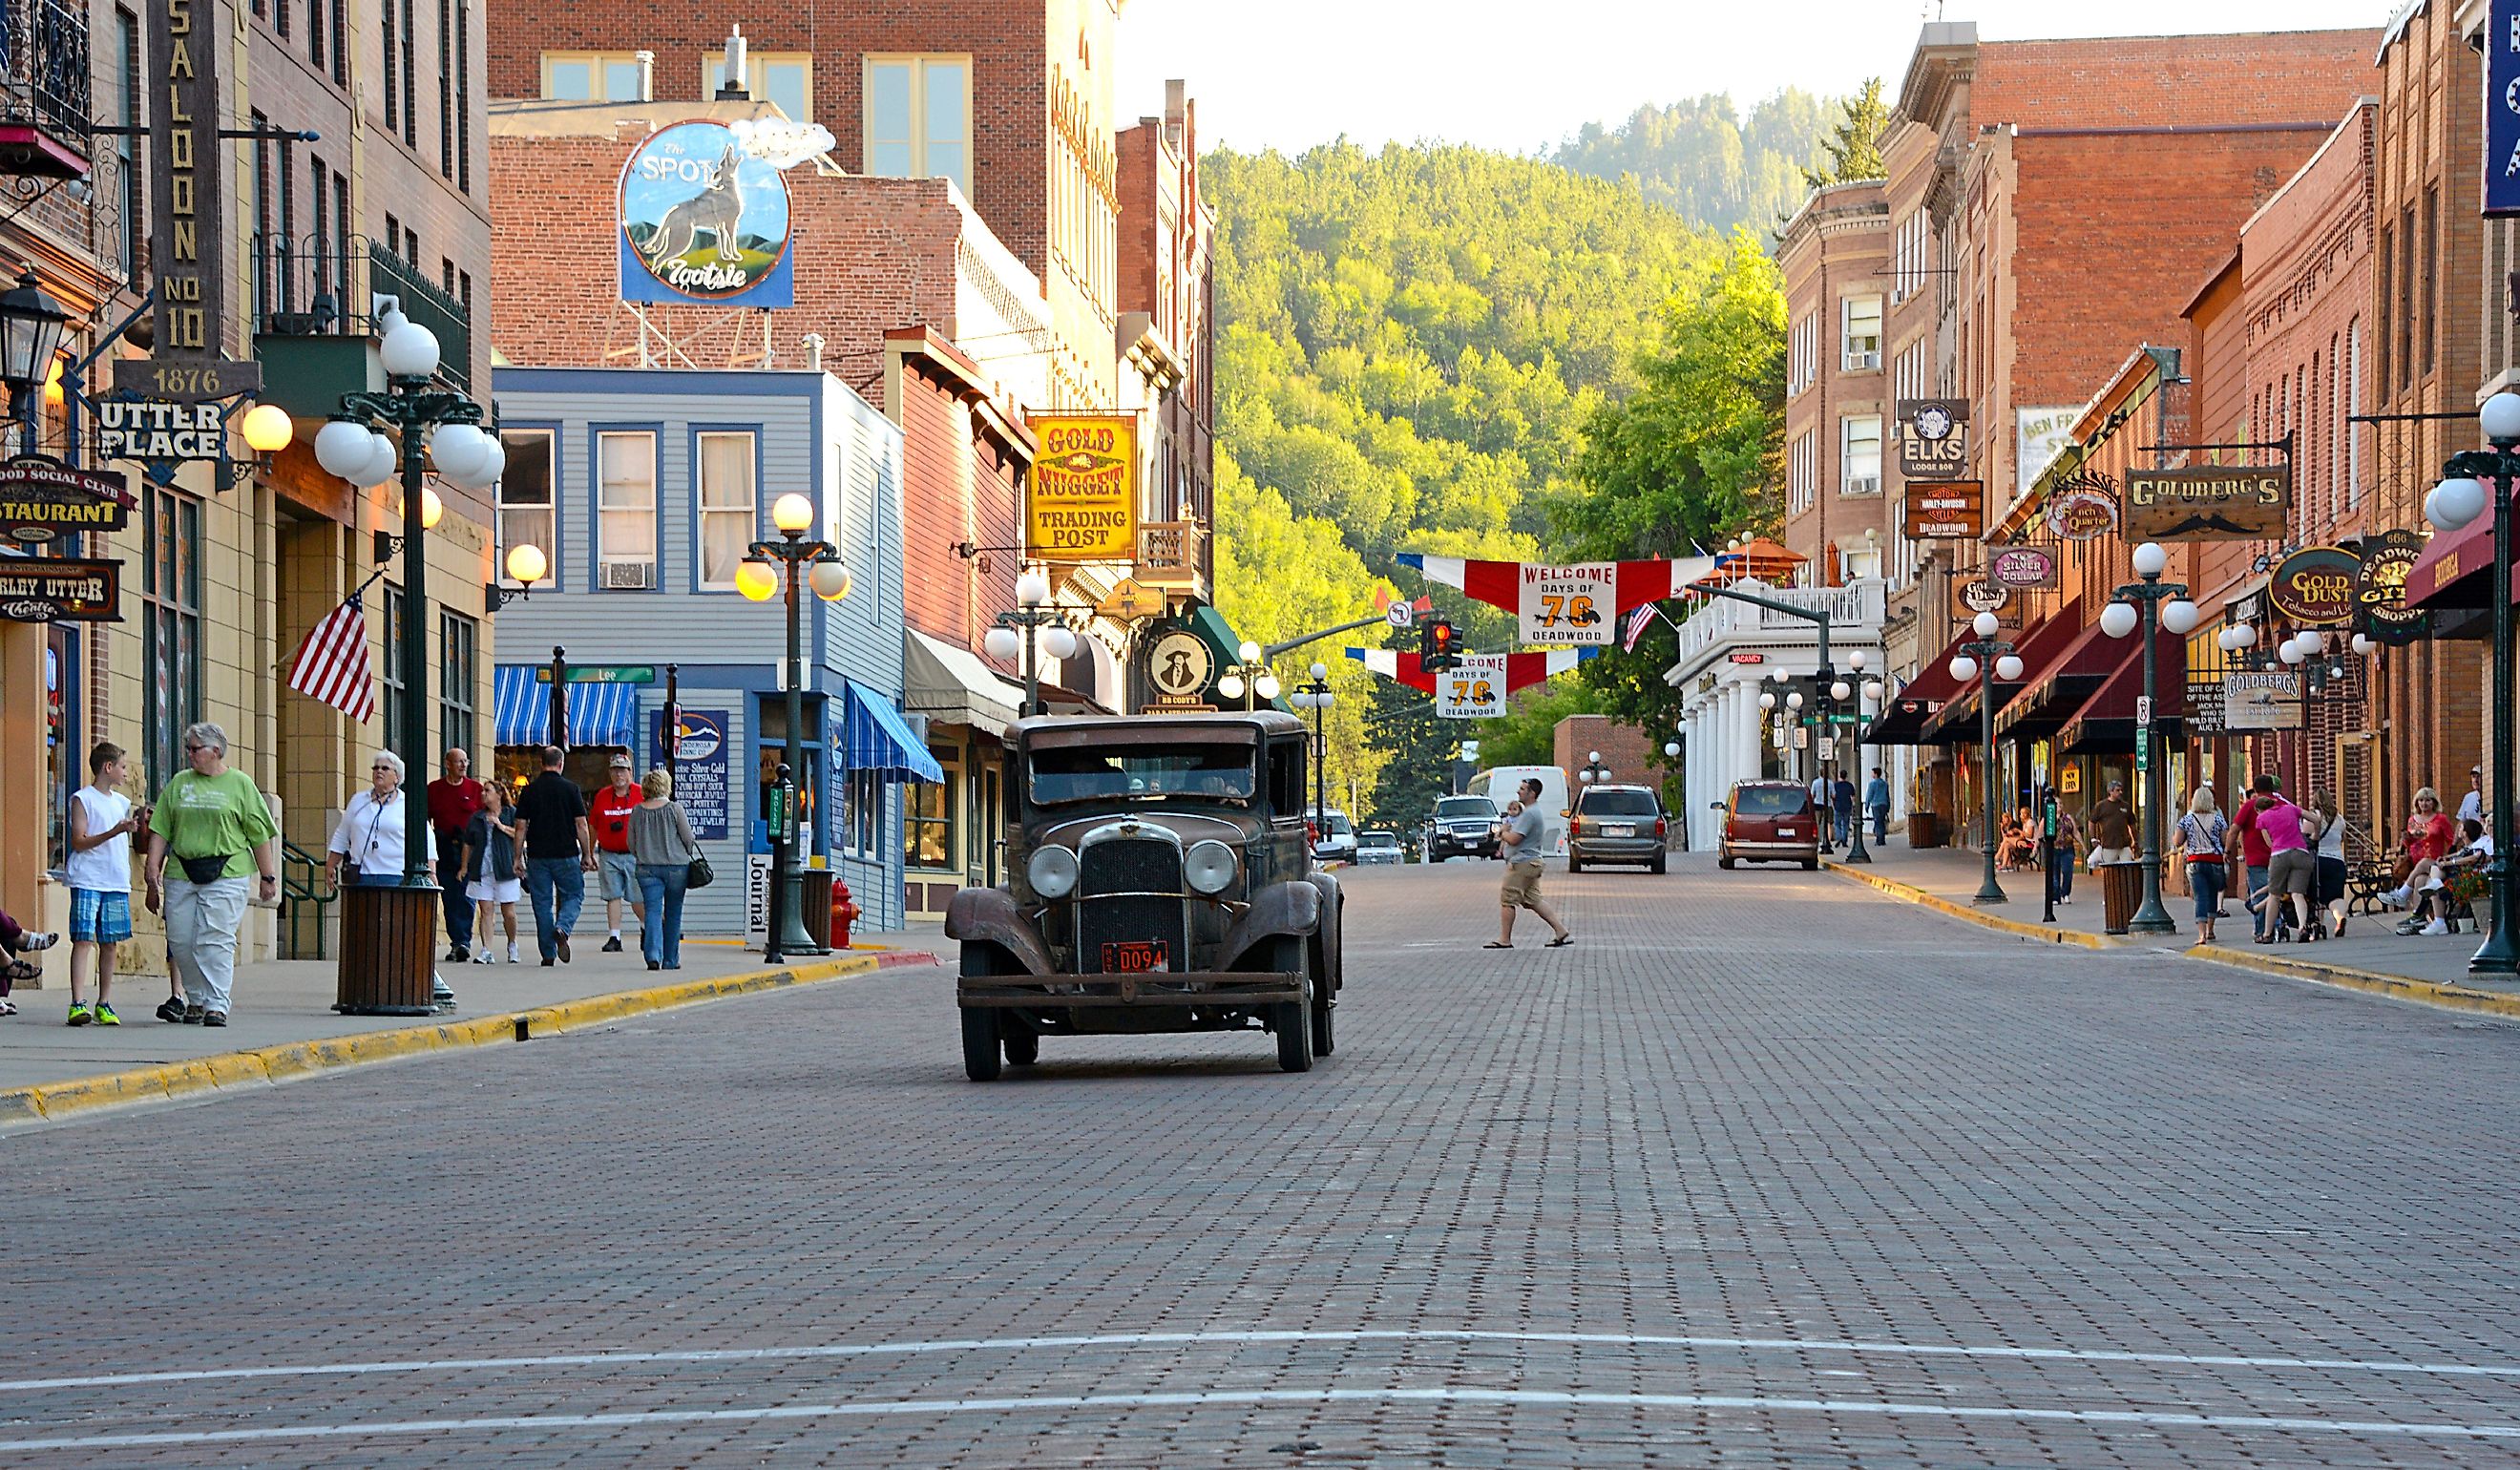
1855 613
44 88
310 286
1168 554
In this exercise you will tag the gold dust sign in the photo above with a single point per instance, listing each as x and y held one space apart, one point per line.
1084 504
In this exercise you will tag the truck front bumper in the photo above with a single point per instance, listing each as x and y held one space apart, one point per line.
1224 988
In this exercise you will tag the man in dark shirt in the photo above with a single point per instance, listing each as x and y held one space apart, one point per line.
550 822
2112 827
453 798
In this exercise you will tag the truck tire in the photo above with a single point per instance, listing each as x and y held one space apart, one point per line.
1725 862
1661 864
1325 1034
981 1044
1574 865
1292 1019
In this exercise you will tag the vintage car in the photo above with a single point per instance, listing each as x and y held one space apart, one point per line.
1160 880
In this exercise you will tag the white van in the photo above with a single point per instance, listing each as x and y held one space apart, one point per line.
1501 783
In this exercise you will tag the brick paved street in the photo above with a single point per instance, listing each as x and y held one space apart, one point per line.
1767 1170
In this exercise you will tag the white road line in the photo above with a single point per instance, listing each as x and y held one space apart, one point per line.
2133 1418
1232 1339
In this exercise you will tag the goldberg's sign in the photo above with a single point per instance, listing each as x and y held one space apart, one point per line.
2261 699
46 589
154 429
2316 585
188 199
2380 589
1933 438
42 498
1947 511
2208 503
2501 109
1084 502
703 219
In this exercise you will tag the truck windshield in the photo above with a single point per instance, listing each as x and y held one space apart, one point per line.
1465 806
1210 773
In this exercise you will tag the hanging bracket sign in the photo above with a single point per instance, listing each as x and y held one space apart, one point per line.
42 499
1474 690
53 589
2316 586
188 210
1946 510
2380 589
2024 566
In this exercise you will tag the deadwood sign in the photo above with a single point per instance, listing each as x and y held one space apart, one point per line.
2208 503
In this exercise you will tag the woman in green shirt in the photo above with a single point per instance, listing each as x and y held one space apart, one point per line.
216 826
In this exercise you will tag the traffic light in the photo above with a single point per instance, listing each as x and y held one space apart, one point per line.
1439 647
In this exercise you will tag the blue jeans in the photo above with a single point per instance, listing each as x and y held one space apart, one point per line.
1880 827
450 884
662 886
555 885
2207 878
2060 870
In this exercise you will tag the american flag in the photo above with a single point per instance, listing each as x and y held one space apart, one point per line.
331 664
1638 621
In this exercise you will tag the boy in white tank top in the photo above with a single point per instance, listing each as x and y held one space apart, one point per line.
102 821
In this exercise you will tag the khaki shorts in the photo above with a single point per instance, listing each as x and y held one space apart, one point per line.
1521 885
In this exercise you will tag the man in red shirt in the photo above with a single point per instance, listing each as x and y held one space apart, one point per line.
453 798
2255 855
609 815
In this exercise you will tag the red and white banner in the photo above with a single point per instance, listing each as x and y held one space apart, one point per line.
1521 670
1586 597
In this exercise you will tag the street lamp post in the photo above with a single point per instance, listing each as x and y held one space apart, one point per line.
1841 693
1875 692
816 564
2458 500
1249 680
2150 603
1594 772
1987 658
1034 628
1315 696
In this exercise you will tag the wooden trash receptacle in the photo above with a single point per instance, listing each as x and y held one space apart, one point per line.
388 951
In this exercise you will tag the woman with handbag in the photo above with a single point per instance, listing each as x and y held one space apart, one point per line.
217 826
366 847
669 863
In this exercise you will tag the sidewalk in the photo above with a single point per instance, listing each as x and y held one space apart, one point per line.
284 1022
2371 957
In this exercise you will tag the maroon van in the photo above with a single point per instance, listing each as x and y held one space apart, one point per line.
1768 821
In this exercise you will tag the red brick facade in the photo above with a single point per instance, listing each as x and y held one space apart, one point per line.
1832 253
1629 751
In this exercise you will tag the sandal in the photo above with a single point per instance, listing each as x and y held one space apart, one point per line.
7 1009
22 969
1496 945
1560 942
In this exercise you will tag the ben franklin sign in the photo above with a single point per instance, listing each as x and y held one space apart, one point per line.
2208 503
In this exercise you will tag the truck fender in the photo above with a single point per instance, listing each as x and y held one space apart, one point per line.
989 917
1327 933
1280 909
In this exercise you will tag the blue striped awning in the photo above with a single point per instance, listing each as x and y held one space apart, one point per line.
599 714
879 740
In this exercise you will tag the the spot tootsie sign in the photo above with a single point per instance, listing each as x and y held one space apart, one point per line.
703 220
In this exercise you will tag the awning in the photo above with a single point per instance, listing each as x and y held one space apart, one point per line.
1957 723
599 714
2105 724
1210 624
952 685
1902 723
2049 697
879 741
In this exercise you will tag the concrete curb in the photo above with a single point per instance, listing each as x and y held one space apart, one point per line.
2369 982
2046 933
265 1066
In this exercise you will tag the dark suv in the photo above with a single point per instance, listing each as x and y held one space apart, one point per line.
1617 824
1462 825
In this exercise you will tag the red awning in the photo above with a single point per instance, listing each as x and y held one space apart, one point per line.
2105 724
2452 571
1904 721
2047 644
2049 698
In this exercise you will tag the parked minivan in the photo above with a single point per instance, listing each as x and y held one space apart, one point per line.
1768 821
1617 824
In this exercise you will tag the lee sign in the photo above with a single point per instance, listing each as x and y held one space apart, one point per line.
1084 501
1569 604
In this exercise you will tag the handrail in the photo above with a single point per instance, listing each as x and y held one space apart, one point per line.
294 891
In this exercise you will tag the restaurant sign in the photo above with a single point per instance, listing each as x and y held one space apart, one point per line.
2380 589
1946 510
2024 566
1084 500
2315 585
2084 508
42 499
1933 438
2208 503
50 589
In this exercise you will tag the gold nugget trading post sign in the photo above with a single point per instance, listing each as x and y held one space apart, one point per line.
1084 501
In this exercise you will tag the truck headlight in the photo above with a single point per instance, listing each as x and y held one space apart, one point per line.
1052 871
1208 867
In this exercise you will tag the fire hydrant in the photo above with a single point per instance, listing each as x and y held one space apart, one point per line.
844 912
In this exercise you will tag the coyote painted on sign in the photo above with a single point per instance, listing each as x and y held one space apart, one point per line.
716 208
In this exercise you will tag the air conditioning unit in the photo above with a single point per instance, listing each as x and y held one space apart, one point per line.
1862 484
629 576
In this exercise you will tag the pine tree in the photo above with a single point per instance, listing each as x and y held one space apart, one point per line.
1853 150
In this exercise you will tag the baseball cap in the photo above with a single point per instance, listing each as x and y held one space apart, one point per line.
621 762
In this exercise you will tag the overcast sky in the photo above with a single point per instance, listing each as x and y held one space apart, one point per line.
1291 73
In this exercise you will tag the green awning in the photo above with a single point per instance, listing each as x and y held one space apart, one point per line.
1211 626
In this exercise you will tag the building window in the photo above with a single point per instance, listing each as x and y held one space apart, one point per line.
625 509
783 80
396 687
393 109
728 506
314 30
523 498
171 604
590 76
341 43
918 118
459 662
464 98
1861 317
927 819
410 74
447 88
2430 320
865 835
1860 454
2352 405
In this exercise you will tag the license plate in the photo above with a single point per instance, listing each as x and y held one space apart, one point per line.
1619 829
1784 831
1132 956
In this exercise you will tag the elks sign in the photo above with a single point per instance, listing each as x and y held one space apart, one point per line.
1933 438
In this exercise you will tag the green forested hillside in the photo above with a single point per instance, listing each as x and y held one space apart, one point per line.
1706 163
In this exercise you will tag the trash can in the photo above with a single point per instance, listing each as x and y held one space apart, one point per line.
2120 894
388 951
818 904
1925 830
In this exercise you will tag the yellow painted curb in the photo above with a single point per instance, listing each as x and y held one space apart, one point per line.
2049 933
2371 982
269 1065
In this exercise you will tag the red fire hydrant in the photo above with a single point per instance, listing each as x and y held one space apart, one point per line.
844 912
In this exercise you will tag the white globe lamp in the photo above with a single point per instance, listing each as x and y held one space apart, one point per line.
1001 645
1032 588
1985 624
2290 653
1229 687
2118 619
1841 690
1266 686
1872 689
2363 645
2500 417
526 563
2007 669
2149 558
1963 668
2455 503
830 580
342 448
1793 700
1059 641
1767 700
409 350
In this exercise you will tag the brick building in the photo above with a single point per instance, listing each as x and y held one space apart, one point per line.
1168 278
1837 409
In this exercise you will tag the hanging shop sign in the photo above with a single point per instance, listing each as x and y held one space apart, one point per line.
2208 503
1179 668
2261 699
2023 566
2502 38
1473 690
1568 605
1933 438
2380 589
1979 595
1082 506
2084 508
188 208
1128 601
42 499
52 589
2315 585
703 219
701 768
2043 434
156 430
1947 511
